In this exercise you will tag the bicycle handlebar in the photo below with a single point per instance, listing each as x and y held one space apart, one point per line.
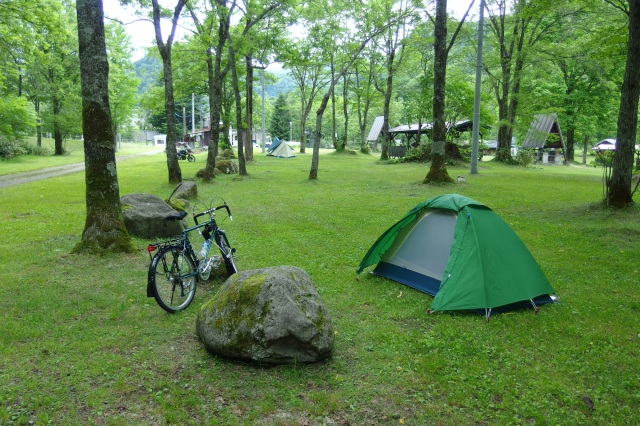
209 211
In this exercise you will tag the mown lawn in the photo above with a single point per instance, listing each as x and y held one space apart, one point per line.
81 344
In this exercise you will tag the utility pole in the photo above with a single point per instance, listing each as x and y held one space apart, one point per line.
264 136
476 101
193 112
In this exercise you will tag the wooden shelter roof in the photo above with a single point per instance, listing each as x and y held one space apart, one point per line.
544 132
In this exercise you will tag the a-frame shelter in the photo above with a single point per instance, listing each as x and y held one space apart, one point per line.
545 136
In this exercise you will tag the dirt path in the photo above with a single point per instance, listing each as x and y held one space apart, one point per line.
49 172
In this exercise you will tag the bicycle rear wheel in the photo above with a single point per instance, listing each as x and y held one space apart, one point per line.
227 252
172 275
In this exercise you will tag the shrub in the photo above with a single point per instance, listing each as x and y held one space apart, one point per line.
10 149
224 144
524 158
419 154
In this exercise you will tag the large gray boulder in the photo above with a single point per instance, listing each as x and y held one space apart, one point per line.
271 316
144 216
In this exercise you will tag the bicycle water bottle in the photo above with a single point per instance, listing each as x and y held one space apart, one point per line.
205 248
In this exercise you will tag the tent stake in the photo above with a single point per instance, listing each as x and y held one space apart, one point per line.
535 307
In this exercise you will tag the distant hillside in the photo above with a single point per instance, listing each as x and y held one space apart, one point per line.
284 83
148 70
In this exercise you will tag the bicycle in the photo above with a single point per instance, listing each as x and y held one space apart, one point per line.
176 267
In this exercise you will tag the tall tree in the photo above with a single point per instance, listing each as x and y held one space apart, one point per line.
263 31
392 47
570 77
53 70
123 83
363 88
349 56
242 47
104 228
213 33
438 171
619 186
21 35
175 174
517 27
280 118
307 69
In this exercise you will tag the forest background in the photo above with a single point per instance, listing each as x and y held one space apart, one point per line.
539 57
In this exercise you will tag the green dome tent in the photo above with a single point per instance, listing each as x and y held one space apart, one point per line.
461 252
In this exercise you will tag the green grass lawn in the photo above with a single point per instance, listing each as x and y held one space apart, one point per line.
81 344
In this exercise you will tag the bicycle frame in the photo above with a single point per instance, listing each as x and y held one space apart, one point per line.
184 240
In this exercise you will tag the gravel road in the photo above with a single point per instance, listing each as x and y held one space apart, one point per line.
19 178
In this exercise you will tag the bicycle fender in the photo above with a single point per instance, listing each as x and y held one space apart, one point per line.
149 286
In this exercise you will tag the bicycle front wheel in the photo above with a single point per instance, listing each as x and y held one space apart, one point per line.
172 275
227 253
191 158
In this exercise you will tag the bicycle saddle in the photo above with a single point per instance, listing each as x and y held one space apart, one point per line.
176 216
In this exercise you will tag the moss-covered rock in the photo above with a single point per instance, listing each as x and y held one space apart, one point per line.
271 315
227 166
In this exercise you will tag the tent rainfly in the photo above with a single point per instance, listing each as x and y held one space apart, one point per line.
464 254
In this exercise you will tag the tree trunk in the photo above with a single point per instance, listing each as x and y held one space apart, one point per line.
619 190
57 132
303 125
39 125
507 90
238 102
104 227
248 146
363 106
175 174
215 91
305 118
345 112
333 104
216 77
386 137
313 173
570 142
438 171
570 107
